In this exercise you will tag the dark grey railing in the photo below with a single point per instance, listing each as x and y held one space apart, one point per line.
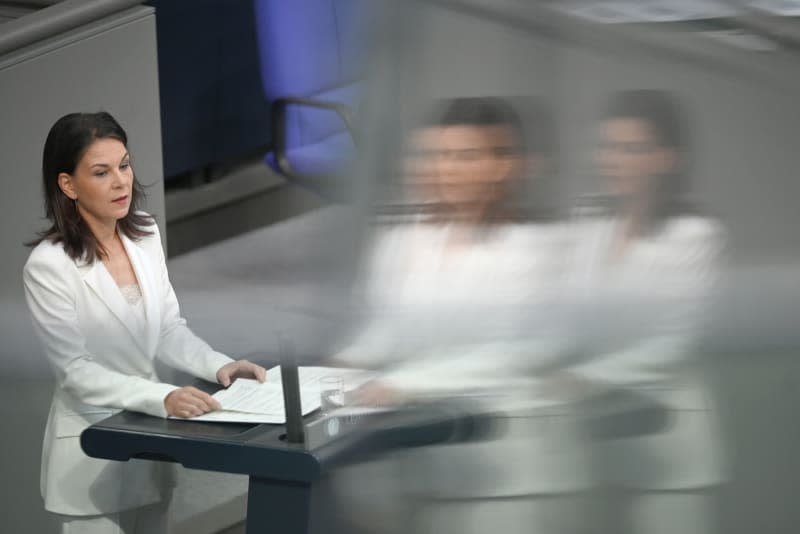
48 18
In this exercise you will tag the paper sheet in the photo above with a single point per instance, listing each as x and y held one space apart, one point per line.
248 401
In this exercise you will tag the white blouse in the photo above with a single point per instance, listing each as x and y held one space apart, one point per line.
133 296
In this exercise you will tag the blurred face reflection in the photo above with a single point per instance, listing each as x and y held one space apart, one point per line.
630 157
476 164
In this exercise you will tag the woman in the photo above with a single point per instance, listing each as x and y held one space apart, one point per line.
642 273
103 307
468 250
452 296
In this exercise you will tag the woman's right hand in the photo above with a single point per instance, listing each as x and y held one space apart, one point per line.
189 401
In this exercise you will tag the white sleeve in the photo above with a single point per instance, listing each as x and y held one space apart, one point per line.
524 335
52 306
455 368
178 346
373 345
682 297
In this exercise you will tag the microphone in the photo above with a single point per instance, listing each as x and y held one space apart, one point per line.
290 381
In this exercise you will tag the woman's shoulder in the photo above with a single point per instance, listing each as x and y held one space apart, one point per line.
47 251
146 221
693 227
48 255
148 227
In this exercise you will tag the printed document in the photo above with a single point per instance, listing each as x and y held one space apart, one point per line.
248 401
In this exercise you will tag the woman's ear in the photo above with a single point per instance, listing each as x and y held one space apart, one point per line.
66 185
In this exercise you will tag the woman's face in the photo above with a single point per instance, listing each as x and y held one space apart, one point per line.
102 182
630 157
476 164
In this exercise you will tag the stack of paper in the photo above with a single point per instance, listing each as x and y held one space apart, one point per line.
248 401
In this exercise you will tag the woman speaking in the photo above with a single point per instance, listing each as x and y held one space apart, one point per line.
103 307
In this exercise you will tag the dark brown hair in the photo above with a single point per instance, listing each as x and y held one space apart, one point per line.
67 142
663 114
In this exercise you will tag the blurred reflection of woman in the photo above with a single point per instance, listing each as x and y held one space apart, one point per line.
641 277
452 294
468 249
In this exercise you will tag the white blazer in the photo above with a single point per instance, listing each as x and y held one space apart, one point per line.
453 321
433 312
637 318
103 364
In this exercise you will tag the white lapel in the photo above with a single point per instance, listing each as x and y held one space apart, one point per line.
147 279
100 281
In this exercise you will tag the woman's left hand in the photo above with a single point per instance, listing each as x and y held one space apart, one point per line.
240 369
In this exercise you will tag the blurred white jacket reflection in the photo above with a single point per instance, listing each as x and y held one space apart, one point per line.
634 318
450 319
494 316
444 316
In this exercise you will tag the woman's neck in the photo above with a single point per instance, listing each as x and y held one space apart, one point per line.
472 214
104 231
469 226
634 218
632 222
